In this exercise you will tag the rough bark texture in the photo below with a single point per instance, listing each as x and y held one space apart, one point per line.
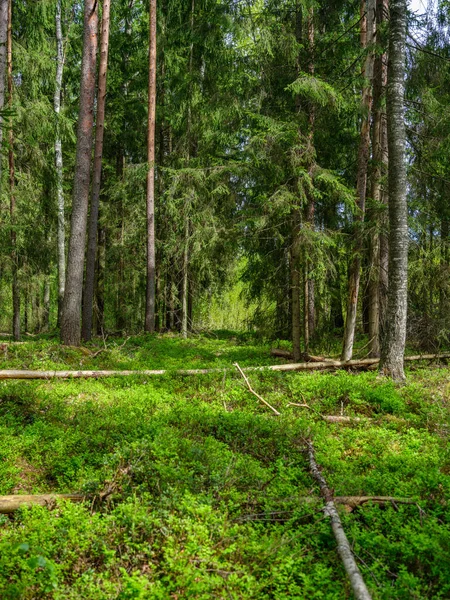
59 161
12 197
70 320
377 287
151 252
89 284
4 4
394 339
366 36
359 587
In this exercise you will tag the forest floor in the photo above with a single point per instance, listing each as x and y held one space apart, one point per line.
203 488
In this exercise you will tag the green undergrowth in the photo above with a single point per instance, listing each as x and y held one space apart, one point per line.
219 349
197 490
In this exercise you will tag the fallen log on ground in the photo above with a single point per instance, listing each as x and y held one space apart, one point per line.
356 580
344 420
9 504
363 363
306 366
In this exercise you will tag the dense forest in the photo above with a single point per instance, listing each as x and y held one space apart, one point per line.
204 206
225 164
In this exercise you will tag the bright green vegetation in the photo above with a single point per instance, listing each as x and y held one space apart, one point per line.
205 484
219 349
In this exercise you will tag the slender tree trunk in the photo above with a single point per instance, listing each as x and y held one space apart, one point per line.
4 11
184 298
100 281
59 161
12 197
151 252
188 202
25 308
393 346
88 299
377 288
444 268
361 183
46 305
70 321
36 320
295 285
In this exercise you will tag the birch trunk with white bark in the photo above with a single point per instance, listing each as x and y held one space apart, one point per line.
59 160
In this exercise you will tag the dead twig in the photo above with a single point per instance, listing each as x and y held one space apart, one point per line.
253 391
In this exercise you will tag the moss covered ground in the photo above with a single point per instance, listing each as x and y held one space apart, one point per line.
197 490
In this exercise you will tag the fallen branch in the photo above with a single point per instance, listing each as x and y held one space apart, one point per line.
342 419
9 504
253 391
335 364
357 582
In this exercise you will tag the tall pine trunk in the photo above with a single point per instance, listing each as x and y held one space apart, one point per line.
367 21
89 285
59 161
377 288
70 320
393 345
12 197
151 251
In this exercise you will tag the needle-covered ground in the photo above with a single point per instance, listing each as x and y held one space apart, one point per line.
197 490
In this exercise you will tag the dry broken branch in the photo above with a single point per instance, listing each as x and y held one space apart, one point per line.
357 582
253 391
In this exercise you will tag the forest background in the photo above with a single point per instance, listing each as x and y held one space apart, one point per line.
270 160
